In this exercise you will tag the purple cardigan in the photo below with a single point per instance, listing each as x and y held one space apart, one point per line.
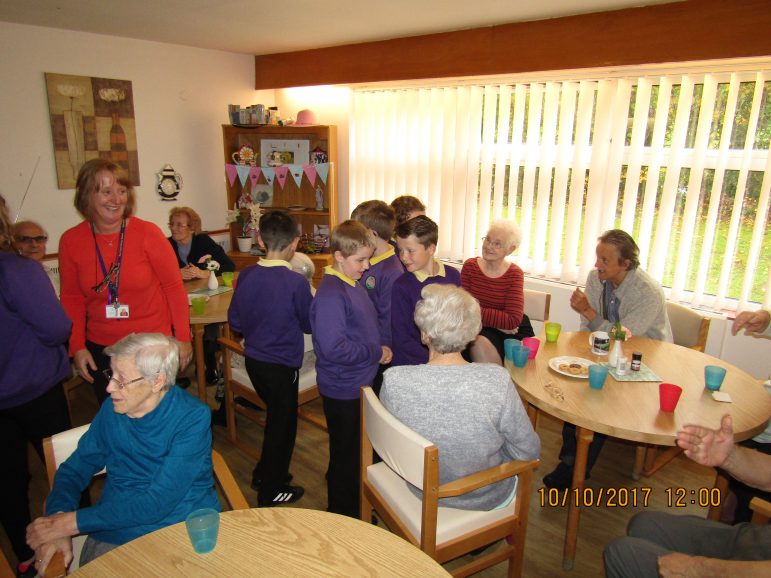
33 331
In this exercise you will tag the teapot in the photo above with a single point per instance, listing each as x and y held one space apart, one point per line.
245 156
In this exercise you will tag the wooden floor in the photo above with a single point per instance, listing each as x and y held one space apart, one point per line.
545 534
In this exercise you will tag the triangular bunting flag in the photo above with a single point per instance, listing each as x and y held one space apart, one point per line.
254 175
310 172
281 173
269 173
243 173
230 171
297 173
323 171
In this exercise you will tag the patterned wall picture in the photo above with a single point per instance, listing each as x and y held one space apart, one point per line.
90 118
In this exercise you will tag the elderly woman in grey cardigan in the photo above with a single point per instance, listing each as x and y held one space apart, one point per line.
471 411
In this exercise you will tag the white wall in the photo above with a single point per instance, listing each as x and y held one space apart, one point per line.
180 102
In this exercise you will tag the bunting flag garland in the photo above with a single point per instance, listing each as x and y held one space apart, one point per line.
281 173
243 173
310 172
297 173
250 173
230 171
269 173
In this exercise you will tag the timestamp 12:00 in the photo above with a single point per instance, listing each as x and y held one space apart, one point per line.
627 497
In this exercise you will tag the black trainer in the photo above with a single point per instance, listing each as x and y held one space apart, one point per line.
257 479
285 495
560 478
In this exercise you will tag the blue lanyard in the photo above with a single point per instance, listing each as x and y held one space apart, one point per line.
111 285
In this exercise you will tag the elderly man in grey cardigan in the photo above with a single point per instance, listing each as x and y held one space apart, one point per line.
617 290
471 411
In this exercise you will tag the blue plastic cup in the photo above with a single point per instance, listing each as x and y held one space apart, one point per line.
202 527
521 355
597 375
509 346
713 377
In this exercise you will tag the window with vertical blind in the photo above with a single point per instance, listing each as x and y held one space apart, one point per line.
678 158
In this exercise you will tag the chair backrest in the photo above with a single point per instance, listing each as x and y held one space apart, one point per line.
5 567
537 304
689 328
397 445
59 447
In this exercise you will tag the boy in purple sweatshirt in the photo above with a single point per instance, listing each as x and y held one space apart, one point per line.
271 309
348 349
416 240
384 268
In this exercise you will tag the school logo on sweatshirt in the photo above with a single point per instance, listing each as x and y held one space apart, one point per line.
369 283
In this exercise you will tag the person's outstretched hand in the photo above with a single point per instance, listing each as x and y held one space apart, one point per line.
705 446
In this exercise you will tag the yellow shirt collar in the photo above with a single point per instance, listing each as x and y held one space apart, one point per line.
439 272
274 263
329 270
383 257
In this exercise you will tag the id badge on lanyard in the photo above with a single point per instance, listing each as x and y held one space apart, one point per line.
114 308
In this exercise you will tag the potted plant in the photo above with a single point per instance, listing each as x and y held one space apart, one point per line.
248 218
618 333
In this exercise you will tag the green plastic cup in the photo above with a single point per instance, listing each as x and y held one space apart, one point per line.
552 331
227 278
199 305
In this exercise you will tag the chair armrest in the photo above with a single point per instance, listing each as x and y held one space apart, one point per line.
232 345
486 477
761 509
56 567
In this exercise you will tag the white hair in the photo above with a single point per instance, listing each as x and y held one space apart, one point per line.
152 353
449 316
512 234
302 264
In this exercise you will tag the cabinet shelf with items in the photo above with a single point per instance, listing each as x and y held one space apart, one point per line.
283 167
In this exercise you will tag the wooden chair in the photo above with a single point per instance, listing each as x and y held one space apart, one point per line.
238 384
537 304
59 447
761 510
689 329
6 571
442 533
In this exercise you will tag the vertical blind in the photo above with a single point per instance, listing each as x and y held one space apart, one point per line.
678 160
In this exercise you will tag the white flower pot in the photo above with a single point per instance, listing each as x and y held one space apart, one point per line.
244 244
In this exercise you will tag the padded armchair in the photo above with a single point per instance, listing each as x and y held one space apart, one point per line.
59 447
537 304
689 328
238 384
442 533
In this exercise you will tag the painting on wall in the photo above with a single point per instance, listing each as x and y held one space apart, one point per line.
91 118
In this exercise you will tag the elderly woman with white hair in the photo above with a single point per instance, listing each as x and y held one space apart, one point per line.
155 442
498 285
471 411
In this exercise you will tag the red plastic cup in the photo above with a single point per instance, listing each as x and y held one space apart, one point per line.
532 343
235 281
669 395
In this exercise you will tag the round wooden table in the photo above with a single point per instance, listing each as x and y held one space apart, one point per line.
216 312
630 410
270 542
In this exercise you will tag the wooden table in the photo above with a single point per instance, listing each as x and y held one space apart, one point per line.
270 542
630 410
216 312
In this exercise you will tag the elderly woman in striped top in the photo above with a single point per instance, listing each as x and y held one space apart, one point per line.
498 286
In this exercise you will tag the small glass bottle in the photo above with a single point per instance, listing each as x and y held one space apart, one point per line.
636 361
623 364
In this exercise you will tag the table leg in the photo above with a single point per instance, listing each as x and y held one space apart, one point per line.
532 414
721 483
200 368
583 439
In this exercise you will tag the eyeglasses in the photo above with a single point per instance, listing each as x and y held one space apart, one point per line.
495 244
121 385
26 239
178 226
108 281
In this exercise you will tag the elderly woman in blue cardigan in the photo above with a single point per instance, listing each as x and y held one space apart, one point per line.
155 442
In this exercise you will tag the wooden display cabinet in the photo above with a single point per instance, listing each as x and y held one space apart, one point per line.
320 138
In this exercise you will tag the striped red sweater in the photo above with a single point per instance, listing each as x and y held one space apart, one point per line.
502 299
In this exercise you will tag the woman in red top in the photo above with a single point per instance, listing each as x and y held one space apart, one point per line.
119 274
498 285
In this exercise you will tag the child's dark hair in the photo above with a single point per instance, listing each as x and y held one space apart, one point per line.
424 229
376 215
405 205
350 236
277 230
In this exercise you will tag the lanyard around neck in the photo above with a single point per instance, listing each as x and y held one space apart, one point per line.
112 286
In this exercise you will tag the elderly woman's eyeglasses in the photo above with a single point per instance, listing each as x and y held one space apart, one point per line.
495 244
121 384
178 225
26 239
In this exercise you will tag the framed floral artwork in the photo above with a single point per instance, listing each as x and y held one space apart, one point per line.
90 118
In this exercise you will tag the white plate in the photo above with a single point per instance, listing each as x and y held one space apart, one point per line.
555 363
191 295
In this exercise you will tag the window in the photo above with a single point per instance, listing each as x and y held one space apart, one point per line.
678 158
